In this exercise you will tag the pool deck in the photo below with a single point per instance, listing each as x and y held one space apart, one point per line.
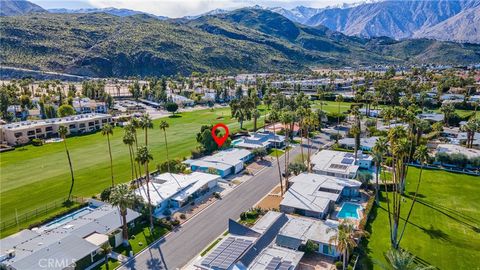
361 200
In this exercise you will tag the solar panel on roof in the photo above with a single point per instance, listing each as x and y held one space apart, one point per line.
272 265
226 253
347 161
285 265
348 155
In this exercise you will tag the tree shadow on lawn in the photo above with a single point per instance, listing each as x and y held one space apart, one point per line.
459 217
177 115
436 233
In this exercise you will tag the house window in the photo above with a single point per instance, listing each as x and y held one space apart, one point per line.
325 249
49 129
72 126
30 132
90 124
38 130
82 125
18 134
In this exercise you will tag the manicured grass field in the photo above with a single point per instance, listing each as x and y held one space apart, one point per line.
38 175
331 106
444 229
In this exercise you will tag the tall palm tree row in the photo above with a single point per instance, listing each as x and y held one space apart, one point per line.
378 152
273 118
63 131
129 140
144 157
107 130
146 124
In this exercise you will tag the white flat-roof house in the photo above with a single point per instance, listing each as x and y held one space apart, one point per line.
272 243
431 117
298 230
314 195
224 163
47 128
366 144
256 140
170 191
458 149
86 105
71 242
339 164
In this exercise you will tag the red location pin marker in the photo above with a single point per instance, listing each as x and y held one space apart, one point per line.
220 140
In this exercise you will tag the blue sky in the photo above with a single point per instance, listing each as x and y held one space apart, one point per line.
180 8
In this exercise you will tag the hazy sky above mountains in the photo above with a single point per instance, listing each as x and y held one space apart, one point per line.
180 8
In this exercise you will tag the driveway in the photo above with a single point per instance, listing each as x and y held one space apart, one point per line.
183 244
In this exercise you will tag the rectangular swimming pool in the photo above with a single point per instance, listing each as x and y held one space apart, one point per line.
67 218
349 210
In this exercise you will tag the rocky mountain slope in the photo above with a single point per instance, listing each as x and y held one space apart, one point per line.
18 7
245 40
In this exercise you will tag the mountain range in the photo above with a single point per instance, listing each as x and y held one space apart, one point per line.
244 40
447 20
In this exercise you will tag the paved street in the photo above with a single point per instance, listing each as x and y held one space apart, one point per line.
183 244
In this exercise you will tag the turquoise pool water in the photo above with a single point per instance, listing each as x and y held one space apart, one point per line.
349 210
67 218
237 141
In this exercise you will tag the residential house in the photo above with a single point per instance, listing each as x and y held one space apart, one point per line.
224 163
171 191
339 164
71 242
264 140
366 144
314 195
273 242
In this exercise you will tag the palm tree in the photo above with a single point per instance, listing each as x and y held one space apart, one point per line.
106 249
402 260
163 126
123 197
301 113
255 115
447 110
62 131
378 152
286 119
273 117
128 140
338 99
421 155
311 122
144 157
145 124
345 239
107 130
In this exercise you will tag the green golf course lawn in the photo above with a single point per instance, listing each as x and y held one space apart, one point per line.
34 176
444 227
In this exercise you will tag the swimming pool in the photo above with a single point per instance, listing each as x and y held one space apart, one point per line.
67 218
237 141
349 210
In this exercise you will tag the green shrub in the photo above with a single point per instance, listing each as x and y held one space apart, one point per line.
37 142
339 265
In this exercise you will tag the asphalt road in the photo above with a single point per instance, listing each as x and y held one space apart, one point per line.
183 244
